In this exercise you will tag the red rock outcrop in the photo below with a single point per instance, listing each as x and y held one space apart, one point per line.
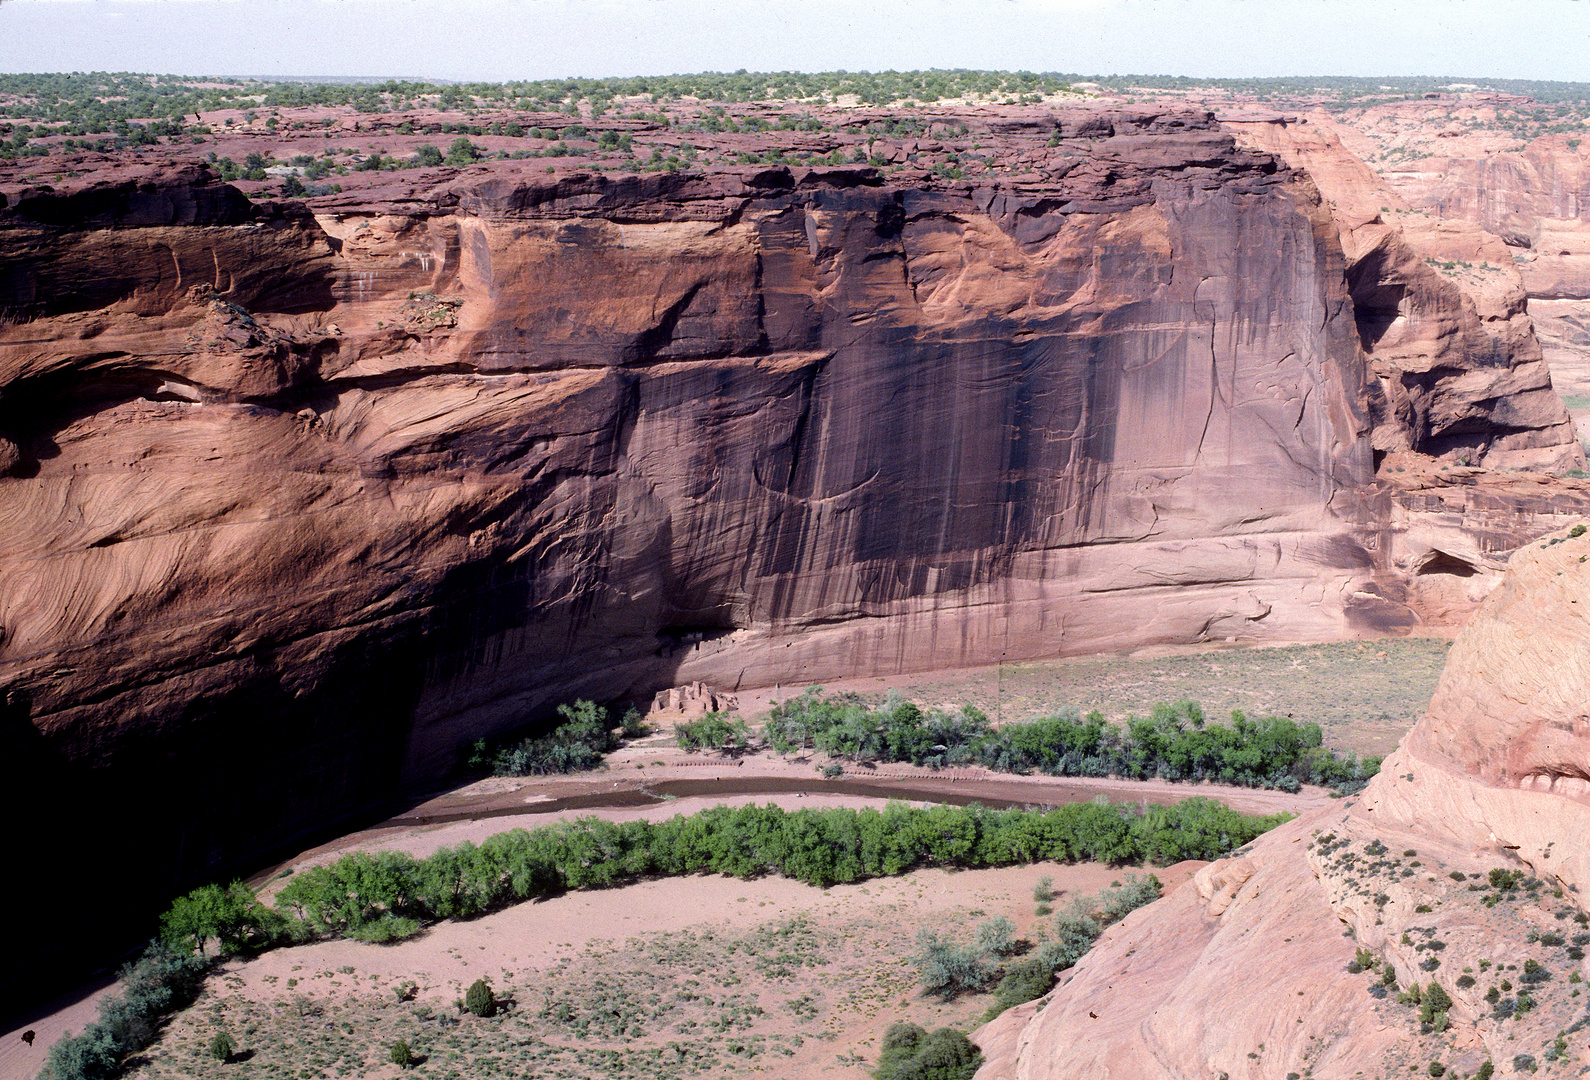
298 504
1441 312
1245 971
326 499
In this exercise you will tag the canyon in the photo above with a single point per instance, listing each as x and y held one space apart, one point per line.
303 496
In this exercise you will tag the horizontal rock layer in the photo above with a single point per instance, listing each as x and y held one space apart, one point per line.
296 506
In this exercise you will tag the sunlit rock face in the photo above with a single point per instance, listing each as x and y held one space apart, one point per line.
1245 969
1457 372
296 505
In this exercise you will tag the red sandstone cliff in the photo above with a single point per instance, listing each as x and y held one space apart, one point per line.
298 504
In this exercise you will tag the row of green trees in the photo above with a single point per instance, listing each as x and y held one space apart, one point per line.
1172 743
160 982
389 895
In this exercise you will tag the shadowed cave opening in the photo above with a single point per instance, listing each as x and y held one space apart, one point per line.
1439 562
1375 308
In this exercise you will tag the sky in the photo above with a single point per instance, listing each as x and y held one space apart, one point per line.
496 40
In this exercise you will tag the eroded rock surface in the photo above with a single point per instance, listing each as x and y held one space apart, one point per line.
1441 311
299 503
1252 969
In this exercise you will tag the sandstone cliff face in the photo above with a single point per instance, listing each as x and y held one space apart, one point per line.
324 499
296 505
1244 971
1441 311
1535 198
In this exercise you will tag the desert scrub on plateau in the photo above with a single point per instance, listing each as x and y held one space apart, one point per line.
1459 952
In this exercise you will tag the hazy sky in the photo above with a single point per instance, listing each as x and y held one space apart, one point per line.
509 39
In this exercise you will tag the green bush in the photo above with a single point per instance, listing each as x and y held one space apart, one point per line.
1022 981
997 936
221 1047
1433 1004
400 1054
232 916
633 725
426 155
463 152
714 731
386 929
579 742
159 983
479 998
1172 743
947 970
909 1052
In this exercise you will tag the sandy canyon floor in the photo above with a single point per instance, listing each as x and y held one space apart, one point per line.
715 976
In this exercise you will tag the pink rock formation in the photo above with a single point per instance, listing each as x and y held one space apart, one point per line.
1244 970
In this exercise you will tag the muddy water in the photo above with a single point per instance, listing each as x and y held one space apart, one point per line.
997 794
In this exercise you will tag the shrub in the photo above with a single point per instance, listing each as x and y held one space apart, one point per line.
1043 891
1505 880
578 743
1022 981
909 1052
633 726
479 998
232 916
386 929
427 154
160 982
463 152
1433 1006
714 731
997 936
400 1054
948 970
221 1047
